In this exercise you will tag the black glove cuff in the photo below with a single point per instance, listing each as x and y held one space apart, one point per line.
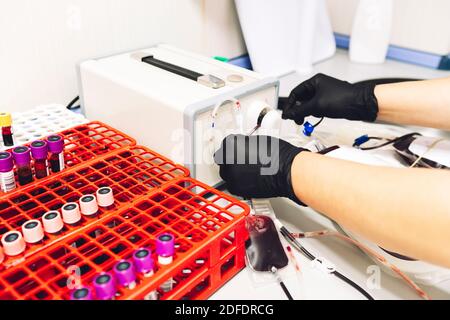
291 194
289 190
370 103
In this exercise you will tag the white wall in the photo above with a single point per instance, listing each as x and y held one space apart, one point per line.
42 40
416 24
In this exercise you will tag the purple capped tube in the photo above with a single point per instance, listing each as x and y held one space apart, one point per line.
165 249
143 261
7 180
22 158
144 264
104 286
56 147
125 274
83 293
39 151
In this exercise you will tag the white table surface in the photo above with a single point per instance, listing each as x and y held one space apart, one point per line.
349 260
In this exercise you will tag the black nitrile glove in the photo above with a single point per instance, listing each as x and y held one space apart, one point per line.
257 166
324 96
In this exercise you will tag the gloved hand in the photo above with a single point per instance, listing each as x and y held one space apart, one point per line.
324 96
257 166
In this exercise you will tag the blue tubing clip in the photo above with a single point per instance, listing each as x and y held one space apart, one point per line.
308 129
360 140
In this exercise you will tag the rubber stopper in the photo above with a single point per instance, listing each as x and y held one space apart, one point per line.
32 231
52 222
71 213
88 205
105 197
13 243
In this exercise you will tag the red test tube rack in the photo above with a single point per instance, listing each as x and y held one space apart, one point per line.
152 196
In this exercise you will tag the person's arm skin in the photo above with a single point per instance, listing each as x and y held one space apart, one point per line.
424 103
403 210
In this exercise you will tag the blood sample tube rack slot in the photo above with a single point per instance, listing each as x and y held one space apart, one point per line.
209 230
130 172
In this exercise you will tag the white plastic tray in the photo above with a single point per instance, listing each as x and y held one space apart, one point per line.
41 121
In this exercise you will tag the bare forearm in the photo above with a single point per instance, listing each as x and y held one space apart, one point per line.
403 210
423 103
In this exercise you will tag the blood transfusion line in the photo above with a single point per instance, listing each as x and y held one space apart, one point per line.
293 259
381 259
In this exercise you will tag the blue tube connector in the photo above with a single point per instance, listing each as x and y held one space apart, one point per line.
360 140
308 129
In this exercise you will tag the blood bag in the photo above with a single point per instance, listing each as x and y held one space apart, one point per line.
264 250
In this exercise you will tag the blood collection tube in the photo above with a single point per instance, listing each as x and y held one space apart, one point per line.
39 151
88 206
83 293
144 264
71 213
13 243
105 286
165 249
56 147
105 198
22 158
7 181
33 232
52 222
125 274
5 123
